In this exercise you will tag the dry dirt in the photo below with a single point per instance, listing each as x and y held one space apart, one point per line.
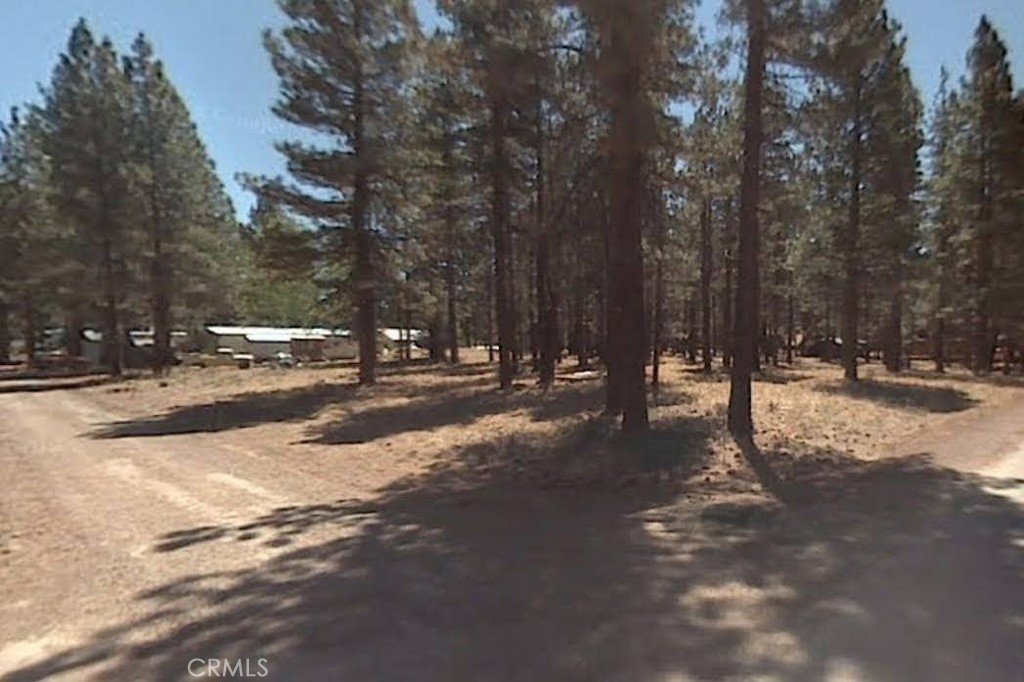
432 528
423 418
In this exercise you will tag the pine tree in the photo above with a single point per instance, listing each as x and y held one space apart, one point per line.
343 71
186 212
745 325
87 113
29 236
993 161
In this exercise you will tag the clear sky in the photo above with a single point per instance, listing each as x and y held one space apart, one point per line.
213 53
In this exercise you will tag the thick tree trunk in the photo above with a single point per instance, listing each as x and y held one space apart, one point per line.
366 289
611 352
626 314
5 332
502 244
850 247
366 276
436 349
705 283
740 418
73 334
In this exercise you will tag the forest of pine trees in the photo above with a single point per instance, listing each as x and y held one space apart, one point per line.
597 178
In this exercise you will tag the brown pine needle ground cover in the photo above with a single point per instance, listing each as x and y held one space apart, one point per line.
451 424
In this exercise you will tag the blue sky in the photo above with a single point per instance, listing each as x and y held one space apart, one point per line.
213 53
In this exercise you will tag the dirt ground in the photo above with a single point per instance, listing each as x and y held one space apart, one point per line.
433 528
423 418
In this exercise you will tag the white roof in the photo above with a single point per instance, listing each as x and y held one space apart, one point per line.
274 333
269 337
397 334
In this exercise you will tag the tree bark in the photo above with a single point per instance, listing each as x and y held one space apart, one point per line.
851 245
30 332
894 347
453 246
161 308
938 345
546 309
705 283
658 323
489 286
5 332
502 245
113 345
789 326
727 321
740 418
73 334
366 284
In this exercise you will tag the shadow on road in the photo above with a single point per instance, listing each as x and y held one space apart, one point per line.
50 383
899 571
249 409
459 407
899 394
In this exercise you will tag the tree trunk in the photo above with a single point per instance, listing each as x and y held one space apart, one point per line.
113 345
73 335
727 321
406 351
658 323
366 294
740 419
938 345
453 325
705 283
160 307
453 246
850 248
489 286
691 331
502 246
546 310
30 332
5 332
610 351
894 345
789 326
366 276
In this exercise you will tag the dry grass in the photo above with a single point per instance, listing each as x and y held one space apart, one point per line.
452 425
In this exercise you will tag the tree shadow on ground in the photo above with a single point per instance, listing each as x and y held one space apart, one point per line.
429 406
456 407
778 374
994 378
42 385
427 366
248 409
898 394
897 571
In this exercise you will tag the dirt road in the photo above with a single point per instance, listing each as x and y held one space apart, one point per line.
173 557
